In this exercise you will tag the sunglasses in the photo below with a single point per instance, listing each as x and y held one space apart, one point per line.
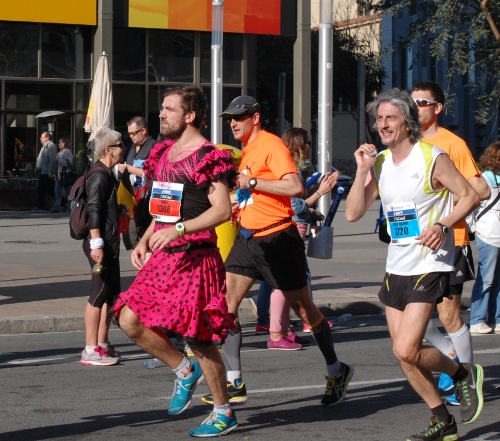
421 102
134 133
237 118
119 145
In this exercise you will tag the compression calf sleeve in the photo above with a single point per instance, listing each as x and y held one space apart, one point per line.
462 342
323 336
439 341
231 349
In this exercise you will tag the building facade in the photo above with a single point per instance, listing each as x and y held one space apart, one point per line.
49 51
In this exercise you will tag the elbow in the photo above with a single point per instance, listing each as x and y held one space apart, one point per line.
298 191
225 215
351 217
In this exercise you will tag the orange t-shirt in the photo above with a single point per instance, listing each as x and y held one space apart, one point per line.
461 156
266 157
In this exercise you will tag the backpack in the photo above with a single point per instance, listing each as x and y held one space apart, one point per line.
79 217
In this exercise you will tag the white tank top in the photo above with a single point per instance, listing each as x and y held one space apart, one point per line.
411 206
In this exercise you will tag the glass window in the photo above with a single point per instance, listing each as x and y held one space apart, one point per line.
66 51
82 96
20 142
155 100
232 52
171 55
128 101
18 49
228 94
129 60
81 136
40 96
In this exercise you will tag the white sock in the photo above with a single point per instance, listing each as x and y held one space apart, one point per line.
90 349
104 345
463 344
439 341
333 370
233 375
184 370
222 410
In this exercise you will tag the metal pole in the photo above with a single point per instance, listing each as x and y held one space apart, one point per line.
217 37
361 101
281 104
325 95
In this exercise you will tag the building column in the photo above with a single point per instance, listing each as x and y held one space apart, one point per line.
103 38
302 67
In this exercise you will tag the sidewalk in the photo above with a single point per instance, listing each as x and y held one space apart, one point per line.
45 280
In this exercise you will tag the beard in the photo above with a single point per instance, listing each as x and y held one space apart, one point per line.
173 132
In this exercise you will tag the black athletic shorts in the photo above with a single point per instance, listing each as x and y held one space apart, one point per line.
464 269
398 291
106 286
277 258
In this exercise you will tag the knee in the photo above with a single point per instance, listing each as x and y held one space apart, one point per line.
405 354
129 322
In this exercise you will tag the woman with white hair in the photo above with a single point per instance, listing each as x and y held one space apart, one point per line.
102 248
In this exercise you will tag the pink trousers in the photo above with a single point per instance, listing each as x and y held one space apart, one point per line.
280 309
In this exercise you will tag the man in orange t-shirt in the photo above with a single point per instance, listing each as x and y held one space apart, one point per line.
429 97
268 246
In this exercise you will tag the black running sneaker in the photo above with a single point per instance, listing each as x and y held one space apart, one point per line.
236 394
437 431
469 393
336 387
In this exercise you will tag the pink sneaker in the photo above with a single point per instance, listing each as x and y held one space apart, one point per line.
283 345
294 338
262 330
305 328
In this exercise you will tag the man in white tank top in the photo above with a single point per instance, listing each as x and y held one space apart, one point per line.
416 182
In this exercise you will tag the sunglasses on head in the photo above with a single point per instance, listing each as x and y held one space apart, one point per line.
421 102
119 144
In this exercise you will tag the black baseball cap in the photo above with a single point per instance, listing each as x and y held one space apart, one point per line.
241 105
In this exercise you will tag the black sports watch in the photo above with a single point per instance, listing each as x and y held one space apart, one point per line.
252 182
444 228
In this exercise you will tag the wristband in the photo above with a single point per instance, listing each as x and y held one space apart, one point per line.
97 243
318 194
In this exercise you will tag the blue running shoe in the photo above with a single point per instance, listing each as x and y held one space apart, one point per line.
445 383
452 400
183 390
215 425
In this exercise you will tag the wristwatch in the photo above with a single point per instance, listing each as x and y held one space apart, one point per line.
252 182
444 228
180 228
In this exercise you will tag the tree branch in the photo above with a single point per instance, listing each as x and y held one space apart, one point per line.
484 8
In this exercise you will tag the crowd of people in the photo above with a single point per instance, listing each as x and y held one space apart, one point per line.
427 181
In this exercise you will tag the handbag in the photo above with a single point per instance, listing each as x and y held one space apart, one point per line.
320 245
68 175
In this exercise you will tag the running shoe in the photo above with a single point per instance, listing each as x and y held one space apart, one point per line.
437 431
452 400
294 338
98 358
480 328
262 329
336 387
470 393
283 344
183 390
445 383
215 425
237 394
110 350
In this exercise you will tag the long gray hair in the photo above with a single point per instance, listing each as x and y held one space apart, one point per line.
406 106
103 138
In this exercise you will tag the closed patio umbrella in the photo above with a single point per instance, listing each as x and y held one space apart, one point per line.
101 112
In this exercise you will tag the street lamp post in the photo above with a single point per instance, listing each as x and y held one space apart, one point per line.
217 38
325 95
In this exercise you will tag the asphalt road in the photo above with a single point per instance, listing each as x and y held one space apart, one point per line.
48 395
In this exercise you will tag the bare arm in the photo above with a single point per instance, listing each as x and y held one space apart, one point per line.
138 171
446 175
288 185
364 190
326 185
479 184
218 213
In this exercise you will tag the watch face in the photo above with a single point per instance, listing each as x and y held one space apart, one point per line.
252 182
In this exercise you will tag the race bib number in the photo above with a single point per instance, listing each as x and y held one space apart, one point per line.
403 222
166 200
244 197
